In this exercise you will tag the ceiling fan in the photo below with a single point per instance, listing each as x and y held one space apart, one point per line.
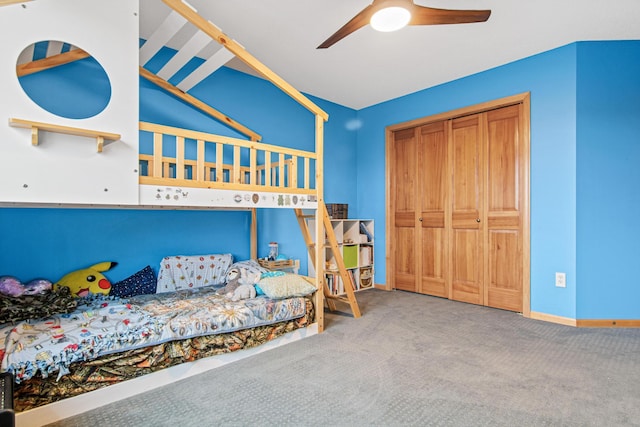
391 15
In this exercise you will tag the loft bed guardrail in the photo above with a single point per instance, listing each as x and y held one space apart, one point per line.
187 158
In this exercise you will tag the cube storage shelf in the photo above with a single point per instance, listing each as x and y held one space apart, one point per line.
355 239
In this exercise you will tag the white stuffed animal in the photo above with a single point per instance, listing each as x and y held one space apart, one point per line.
248 278
244 292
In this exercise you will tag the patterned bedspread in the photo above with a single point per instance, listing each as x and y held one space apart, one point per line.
117 367
107 325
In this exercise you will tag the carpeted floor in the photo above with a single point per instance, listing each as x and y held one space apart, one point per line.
410 360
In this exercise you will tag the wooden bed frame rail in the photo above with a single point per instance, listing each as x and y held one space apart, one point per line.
238 164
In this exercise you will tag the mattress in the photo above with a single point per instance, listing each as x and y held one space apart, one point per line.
104 326
114 368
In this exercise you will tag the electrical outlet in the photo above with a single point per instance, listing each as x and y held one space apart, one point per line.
561 280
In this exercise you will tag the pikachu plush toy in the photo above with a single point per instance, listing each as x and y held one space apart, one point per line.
87 281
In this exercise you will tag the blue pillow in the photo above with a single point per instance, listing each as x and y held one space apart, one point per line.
272 274
141 283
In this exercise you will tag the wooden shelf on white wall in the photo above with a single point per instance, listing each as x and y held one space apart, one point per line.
36 127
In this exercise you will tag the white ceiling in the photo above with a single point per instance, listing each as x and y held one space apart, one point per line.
369 67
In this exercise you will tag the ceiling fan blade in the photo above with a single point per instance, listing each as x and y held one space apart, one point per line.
422 15
357 22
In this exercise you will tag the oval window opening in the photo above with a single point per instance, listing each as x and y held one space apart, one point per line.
63 79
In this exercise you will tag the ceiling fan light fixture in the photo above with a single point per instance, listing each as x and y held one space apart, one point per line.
390 19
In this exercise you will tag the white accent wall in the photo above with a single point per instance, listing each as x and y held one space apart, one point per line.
64 168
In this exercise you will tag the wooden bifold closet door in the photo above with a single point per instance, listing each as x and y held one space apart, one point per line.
458 206
419 194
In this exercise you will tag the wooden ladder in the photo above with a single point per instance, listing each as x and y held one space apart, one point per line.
347 279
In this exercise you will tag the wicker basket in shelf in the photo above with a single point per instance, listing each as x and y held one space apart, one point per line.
280 263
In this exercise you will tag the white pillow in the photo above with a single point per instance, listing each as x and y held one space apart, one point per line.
285 286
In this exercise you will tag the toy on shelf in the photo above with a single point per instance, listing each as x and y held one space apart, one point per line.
273 251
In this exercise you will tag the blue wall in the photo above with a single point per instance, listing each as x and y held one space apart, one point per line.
608 174
49 243
551 79
585 142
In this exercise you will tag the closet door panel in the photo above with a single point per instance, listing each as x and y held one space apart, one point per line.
504 216
504 270
433 263
466 268
466 176
403 191
405 262
502 160
466 210
405 168
432 176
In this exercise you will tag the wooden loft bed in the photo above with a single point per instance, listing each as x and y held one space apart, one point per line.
183 166
243 173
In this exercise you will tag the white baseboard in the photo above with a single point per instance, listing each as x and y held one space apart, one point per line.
76 405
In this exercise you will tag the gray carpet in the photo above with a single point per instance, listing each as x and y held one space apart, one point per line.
410 360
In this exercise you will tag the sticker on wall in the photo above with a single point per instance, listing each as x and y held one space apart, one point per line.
63 79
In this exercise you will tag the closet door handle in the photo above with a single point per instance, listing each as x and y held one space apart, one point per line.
477 219
420 219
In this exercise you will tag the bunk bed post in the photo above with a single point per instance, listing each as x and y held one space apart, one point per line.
319 252
254 234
